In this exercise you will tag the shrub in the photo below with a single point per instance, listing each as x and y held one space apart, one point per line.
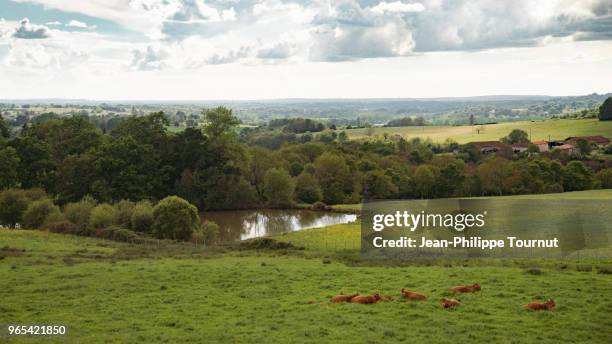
64 227
604 177
207 233
36 194
13 203
41 212
175 218
320 206
118 234
79 212
124 209
102 216
142 217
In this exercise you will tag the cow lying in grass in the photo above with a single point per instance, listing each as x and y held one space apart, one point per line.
541 306
342 298
449 303
465 288
366 299
411 295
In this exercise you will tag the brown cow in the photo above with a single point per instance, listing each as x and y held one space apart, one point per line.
465 288
366 299
412 295
449 303
541 306
342 298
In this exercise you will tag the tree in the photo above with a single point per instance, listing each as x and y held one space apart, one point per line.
604 177
584 147
9 165
494 175
79 212
605 110
175 218
13 203
516 136
219 121
577 176
142 217
334 177
307 188
102 216
278 188
424 180
5 131
376 184
41 212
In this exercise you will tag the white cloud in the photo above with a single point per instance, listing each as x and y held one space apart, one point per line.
397 7
80 25
53 23
150 58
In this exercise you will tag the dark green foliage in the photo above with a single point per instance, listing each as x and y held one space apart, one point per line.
297 125
267 244
406 122
9 165
175 218
605 110
124 209
307 188
577 176
206 234
39 213
142 217
516 136
79 212
13 203
278 188
5 131
378 185
102 216
604 178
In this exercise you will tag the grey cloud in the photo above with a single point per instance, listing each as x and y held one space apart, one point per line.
279 51
231 57
355 29
149 59
26 30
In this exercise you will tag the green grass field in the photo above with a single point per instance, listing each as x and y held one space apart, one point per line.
106 291
540 130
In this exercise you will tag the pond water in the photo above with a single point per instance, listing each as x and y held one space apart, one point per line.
246 224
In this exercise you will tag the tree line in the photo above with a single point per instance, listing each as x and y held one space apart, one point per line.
215 167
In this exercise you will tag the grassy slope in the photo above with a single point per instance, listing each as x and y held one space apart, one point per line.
540 130
112 292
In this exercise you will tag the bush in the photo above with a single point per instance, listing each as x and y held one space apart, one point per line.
175 218
604 177
142 217
278 188
320 206
207 233
102 216
307 188
79 212
41 212
118 234
64 227
13 203
124 213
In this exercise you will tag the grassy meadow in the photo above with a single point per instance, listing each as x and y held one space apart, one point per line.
106 291
540 130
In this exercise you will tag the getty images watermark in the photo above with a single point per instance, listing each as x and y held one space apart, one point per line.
495 227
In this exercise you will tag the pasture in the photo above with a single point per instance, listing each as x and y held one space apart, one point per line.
107 291
556 129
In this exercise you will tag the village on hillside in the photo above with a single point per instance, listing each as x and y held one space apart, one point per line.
569 146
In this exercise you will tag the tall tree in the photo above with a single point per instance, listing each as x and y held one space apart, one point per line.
605 110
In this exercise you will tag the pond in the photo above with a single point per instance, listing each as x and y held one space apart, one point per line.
246 224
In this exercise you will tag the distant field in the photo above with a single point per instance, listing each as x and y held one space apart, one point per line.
539 130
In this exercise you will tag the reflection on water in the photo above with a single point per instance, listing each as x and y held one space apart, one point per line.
245 224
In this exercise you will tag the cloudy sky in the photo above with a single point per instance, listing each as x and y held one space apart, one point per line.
256 49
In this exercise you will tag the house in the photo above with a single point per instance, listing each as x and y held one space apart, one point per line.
492 147
567 149
542 146
597 140
519 147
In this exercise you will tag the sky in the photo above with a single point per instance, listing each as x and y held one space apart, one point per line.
267 49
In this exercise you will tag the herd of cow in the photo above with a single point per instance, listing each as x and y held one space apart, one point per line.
445 302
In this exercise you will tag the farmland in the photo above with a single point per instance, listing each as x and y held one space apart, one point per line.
539 130
117 292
